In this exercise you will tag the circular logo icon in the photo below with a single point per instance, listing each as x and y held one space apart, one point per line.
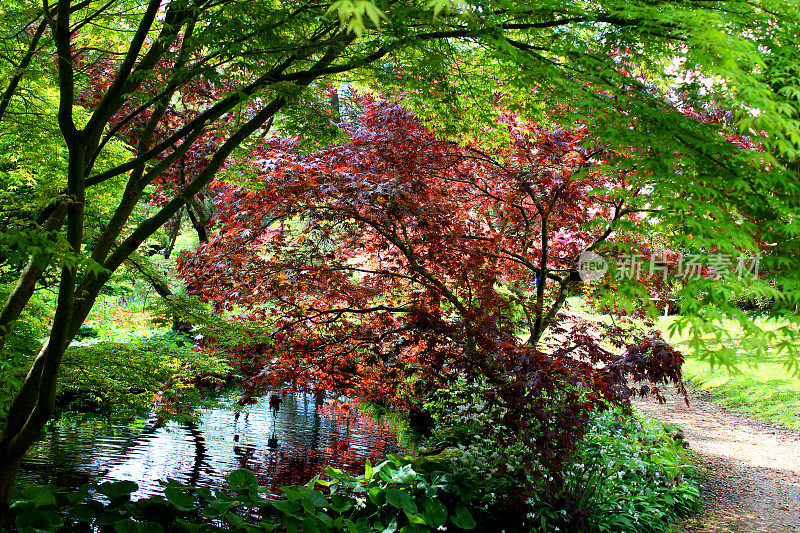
591 266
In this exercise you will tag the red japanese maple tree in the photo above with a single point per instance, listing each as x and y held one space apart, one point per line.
387 266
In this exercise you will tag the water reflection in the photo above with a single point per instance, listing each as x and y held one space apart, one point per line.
284 441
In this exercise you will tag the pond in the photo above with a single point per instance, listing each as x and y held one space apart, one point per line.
282 447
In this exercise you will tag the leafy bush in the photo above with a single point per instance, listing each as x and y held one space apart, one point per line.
632 474
627 474
87 332
125 377
754 297
399 494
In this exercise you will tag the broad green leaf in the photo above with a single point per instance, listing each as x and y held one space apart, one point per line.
118 489
241 480
130 526
435 512
401 500
463 518
179 499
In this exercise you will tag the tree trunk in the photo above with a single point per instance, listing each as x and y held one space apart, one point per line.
23 290
34 402
336 114
541 283
8 473
199 220
173 234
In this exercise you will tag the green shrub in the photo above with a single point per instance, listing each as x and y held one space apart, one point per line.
463 434
632 474
628 474
124 377
87 332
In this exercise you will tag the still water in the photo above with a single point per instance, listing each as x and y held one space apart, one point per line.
282 447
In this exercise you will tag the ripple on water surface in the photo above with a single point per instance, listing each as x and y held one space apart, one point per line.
283 448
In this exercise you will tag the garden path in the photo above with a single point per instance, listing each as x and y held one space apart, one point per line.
752 481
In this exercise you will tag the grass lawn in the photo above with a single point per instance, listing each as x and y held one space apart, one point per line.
761 387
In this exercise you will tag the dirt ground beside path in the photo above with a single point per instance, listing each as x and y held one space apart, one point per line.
753 468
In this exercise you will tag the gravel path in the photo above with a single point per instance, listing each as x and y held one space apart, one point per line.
752 482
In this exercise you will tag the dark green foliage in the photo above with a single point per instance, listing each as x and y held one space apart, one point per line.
631 474
627 473
87 332
399 494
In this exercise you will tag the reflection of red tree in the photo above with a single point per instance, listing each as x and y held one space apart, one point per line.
297 466
288 467
345 412
335 410
380 435
366 438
